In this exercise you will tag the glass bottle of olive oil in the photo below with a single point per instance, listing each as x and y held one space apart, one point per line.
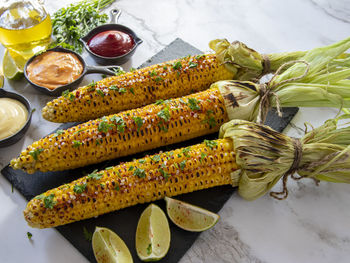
25 26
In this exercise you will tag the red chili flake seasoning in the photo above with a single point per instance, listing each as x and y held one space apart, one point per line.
111 43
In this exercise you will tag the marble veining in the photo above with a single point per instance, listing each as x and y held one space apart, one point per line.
312 225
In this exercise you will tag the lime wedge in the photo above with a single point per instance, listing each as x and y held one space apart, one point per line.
152 234
13 65
109 247
1 79
190 217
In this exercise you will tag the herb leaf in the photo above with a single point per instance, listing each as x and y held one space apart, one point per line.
211 144
182 165
104 126
79 188
87 234
58 132
139 122
139 172
193 104
35 153
29 235
94 175
49 202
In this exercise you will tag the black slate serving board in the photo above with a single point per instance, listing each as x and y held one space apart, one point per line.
124 221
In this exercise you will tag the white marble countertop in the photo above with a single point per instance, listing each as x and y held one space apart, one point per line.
312 225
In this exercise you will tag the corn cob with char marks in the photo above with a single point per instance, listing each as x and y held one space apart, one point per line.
128 132
134 89
171 173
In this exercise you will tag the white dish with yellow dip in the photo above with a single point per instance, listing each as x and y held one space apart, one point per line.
13 116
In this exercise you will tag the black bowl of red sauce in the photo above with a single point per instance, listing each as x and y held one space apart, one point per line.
111 44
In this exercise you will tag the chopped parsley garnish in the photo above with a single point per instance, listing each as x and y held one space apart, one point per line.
87 234
49 202
104 126
99 141
165 68
113 87
93 84
68 95
203 155
200 56
76 144
79 188
103 76
118 71
142 161
164 173
94 175
164 114
132 91
210 119
182 101
109 168
153 73
117 188
140 172
179 155
192 65
131 168
158 79
122 90
210 144
193 104
177 65
156 158
58 132
138 120
160 102
182 165
186 151
40 197
35 153
80 130
119 122
149 249
132 69
100 92
29 235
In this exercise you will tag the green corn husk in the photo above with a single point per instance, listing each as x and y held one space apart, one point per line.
264 155
246 62
320 81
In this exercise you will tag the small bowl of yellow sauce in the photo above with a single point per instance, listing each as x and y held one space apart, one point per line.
15 117
59 69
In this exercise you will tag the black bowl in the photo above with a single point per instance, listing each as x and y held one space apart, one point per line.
119 60
18 135
108 70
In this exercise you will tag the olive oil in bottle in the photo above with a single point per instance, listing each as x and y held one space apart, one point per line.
25 27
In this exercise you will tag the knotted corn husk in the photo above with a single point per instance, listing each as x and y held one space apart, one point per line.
248 63
265 156
319 81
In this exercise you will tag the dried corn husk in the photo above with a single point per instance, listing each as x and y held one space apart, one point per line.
264 156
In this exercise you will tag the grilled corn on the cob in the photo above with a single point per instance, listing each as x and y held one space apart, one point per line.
122 134
176 172
134 89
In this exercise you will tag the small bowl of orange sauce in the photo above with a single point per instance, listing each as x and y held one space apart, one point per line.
59 69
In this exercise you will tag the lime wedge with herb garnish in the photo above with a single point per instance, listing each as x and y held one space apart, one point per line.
13 65
190 217
108 247
152 234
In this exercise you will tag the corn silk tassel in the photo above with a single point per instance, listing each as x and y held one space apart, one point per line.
318 79
322 83
249 156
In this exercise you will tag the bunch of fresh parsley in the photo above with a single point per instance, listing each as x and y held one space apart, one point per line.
71 23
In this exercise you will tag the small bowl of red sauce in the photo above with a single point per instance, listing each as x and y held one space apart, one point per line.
111 43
